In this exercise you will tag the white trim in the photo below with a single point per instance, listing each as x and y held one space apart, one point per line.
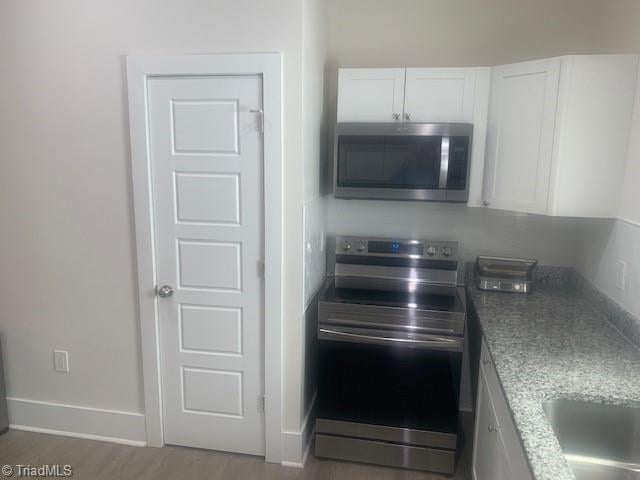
269 66
114 426
633 223
98 438
296 445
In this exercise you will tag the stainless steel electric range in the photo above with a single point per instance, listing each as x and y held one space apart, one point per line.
390 334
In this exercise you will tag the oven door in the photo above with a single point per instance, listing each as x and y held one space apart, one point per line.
393 387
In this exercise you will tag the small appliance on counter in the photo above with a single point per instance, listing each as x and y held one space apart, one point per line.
505 274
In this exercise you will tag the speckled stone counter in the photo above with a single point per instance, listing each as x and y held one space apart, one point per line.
551 344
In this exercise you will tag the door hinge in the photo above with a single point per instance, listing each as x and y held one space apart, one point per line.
261 403
261 268
260 120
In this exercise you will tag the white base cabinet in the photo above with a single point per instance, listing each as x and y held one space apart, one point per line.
497 452
558 134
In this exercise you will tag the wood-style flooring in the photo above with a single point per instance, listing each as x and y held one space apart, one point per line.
94 460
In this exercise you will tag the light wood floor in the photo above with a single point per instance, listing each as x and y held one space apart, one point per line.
93 460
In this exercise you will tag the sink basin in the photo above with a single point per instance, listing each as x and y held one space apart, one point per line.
600 442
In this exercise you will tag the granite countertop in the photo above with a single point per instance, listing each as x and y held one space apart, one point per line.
553 344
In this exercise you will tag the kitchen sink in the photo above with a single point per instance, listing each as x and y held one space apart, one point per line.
600 442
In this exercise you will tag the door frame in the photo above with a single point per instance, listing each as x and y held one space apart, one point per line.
269 67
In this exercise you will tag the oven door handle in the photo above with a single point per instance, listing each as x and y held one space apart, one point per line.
426 341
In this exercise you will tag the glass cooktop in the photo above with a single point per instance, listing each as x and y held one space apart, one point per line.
387 298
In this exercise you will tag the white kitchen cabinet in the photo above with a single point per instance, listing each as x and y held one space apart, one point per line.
439 95
520 135
497 452
490 460
370 94
558 133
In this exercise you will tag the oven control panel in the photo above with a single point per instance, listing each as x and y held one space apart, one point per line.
396 248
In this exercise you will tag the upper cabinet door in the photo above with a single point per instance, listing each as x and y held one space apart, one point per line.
370 94
520 135
439 95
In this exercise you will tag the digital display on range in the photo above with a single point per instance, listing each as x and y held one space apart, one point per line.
396 248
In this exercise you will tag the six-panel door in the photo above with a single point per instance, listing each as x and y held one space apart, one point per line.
206 161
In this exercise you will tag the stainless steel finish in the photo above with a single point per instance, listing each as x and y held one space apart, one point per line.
599 441
365 318
382 337
165 291
407 116
524 286
505 267
331 314
386 434
444 163
383 453
406 129
505 274
417 129
440 247
415 276
396 116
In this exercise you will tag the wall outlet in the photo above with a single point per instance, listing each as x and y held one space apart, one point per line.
621 275
61 361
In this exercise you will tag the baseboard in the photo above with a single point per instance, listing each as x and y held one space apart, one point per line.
296 445
114 426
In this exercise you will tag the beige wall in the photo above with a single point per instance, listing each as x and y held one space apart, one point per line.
67 250
459 32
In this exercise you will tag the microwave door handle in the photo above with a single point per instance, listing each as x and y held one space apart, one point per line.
444 163
438 343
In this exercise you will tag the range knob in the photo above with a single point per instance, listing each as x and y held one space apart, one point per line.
361 247
346 246
431 251
446 251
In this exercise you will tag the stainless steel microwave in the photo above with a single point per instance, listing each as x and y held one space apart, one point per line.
402 161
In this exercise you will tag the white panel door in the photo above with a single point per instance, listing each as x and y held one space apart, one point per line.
439 95
520 135
370 94
206 160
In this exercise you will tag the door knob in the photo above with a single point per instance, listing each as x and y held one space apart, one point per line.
165 291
